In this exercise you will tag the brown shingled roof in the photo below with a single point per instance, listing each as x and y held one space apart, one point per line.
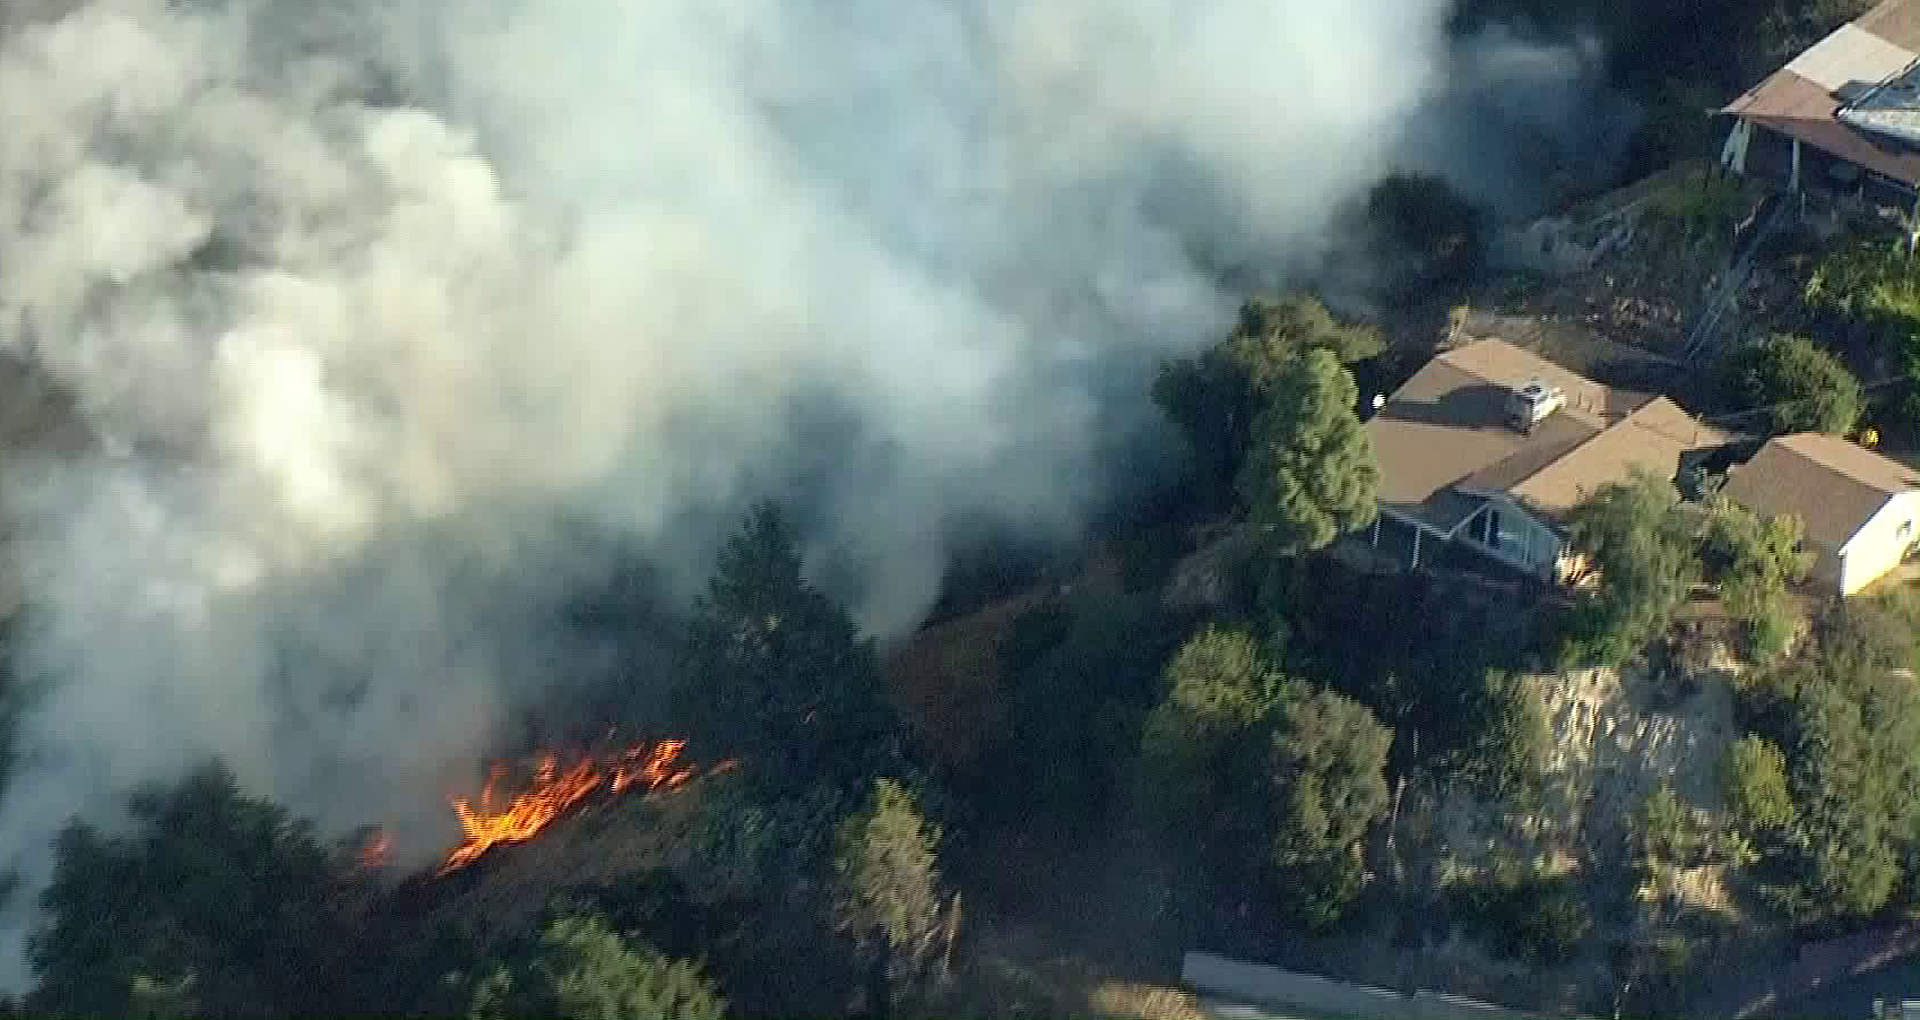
1444 434
1832 485
1896 21
1652 438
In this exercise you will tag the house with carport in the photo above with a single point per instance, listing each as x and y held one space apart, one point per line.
1841 119
1491 446
1861 509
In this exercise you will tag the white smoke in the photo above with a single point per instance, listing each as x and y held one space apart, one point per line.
325 276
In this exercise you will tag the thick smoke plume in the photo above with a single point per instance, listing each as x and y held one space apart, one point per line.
359 305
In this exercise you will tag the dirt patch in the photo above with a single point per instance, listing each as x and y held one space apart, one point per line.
1621 733
1618 734
1632 266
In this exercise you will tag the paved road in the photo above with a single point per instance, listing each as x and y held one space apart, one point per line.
1851 998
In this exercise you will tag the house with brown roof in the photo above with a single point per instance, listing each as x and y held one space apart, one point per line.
1861 509
1491 446
1842 117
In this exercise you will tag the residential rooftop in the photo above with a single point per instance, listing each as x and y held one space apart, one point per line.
1855 93
1444 438
1834 486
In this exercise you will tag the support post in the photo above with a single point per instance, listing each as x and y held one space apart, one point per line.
1793 181
1913 227
1733 155
1416 546
1376 531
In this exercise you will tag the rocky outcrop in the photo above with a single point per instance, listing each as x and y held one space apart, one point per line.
1201 579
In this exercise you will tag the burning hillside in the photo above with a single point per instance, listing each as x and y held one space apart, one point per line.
553 792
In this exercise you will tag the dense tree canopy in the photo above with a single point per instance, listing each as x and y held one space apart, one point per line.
1873 283
1641 540
1272 331
776 674
216 904
1872 286
1216 398
1277 781
1219 688
583 970
1753 560
1793 385
1849 729
1327 770
1080 678
1310 476
1452 688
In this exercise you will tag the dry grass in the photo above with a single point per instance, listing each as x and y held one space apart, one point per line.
1020 972
1136 1001
606 841
945 681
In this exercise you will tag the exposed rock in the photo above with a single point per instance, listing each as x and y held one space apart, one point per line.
1200 580
1618 735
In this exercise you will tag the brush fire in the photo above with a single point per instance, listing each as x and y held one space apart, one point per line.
374 849
553 792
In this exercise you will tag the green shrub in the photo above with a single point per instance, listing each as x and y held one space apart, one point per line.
1703 204
1793 385
1875 282
1524 915
1769 630
1754 778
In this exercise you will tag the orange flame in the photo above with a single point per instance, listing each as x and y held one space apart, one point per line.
554 791
373 852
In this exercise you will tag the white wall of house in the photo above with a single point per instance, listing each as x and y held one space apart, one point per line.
1881 543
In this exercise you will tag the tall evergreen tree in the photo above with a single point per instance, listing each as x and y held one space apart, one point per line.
1216 399
889 888
777 675
218 903
1310 476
